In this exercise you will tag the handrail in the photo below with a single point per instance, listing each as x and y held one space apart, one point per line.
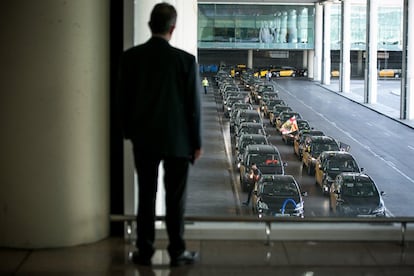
269 220
121 217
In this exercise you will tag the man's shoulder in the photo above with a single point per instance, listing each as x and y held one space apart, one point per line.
183 53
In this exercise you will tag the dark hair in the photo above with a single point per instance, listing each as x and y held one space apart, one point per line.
163 17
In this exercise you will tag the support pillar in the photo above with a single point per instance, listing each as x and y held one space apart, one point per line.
345 71
250 58
326 71
317 72
54 116
407 81
371 74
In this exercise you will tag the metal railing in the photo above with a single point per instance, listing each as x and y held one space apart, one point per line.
267 221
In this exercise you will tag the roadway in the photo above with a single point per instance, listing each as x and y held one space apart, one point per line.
381 145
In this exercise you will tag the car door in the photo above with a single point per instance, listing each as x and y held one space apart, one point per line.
319 171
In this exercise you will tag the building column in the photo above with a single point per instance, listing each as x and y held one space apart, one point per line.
311 66
407 82
371 74
305 59
360 67
317 71
54 116
345 68
250 58
326 71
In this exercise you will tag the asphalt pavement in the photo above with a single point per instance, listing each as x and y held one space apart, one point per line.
388 97
213 187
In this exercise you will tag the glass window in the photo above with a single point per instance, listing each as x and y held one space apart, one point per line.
238 26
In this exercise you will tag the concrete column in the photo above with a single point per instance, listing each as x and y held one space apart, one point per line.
292 29
305 59
311 66
250 59
371 74
317 72
360 67
303 25
407 82
326 71
283 27
345 77
54 116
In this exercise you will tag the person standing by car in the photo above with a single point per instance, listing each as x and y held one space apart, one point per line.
205 84
170 134
254 176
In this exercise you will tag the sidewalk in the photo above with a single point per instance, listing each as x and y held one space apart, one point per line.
383 106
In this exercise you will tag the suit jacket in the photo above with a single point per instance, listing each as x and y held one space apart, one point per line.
160 89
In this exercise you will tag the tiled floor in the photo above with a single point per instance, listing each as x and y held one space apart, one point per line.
218 257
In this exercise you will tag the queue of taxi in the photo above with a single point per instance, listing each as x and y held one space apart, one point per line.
350 190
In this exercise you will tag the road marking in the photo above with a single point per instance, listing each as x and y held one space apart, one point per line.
411 148
390 164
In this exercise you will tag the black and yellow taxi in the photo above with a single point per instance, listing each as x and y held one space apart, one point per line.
313 147
354 194
249 128
283 71
278 195
266 157
275 112
331 163
389 73
289 137
249 139
259 89
300 138
267 105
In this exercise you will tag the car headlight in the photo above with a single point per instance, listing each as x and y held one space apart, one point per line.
228 108
262 205
380 210
299 207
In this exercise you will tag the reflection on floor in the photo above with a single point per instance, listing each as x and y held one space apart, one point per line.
217 257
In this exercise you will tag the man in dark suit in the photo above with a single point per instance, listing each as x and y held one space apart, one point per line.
160 96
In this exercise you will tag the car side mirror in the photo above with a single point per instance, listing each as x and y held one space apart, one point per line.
255 192
304 193
285 164
362 169
383 193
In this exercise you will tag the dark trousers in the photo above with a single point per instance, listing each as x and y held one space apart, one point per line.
249 192
175 179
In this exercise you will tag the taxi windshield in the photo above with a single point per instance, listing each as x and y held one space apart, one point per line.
359 189
280 189
265 159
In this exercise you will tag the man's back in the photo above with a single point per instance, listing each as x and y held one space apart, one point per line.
163 108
